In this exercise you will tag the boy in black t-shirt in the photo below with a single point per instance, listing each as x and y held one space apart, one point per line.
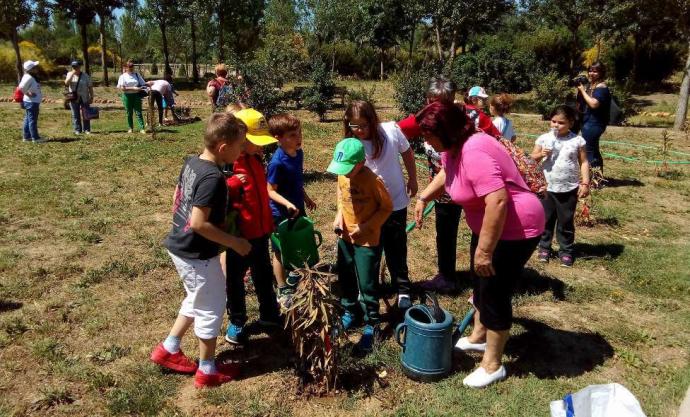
193 244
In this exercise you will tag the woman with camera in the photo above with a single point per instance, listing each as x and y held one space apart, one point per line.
79 95
594 103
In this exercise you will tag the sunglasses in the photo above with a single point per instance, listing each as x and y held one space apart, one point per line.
358 127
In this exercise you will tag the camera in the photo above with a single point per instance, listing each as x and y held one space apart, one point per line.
579 80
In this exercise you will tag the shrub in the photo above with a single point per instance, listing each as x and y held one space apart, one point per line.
551 48
28 50
362 94
496 65
182 72
317 97
656 62
260 88
410 89
154 69
550 90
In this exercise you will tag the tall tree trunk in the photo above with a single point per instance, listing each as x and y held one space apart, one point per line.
437 31
195 67
221 41
104 54
166 52
382 57
18 55
85 48
412 31
682 109
453 46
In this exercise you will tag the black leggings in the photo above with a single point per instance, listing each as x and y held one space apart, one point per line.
158 97
492 295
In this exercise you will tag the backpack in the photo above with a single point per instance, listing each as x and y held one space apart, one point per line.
528 167
224 95
18 96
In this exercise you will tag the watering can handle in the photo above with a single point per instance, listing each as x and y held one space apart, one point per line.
398 332
275 240
436 311
319 238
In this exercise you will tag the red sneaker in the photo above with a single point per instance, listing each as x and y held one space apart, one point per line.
175 361
202 380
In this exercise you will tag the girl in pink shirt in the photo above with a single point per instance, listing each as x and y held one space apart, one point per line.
506 220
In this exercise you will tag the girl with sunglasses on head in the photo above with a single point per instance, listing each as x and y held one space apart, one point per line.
383 144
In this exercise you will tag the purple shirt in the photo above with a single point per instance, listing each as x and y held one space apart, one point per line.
482 167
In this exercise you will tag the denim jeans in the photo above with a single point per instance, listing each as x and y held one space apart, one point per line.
77 122
31 121
592 133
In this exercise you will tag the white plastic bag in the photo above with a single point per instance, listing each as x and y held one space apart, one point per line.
607 400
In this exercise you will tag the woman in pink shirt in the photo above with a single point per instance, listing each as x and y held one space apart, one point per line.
506 220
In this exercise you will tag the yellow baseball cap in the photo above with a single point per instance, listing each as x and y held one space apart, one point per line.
257 128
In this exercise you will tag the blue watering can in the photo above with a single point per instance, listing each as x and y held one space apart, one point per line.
426 340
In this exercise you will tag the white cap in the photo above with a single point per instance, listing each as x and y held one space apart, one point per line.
29 65
477 91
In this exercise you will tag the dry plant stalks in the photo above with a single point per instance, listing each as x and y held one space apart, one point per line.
585 217
313 319
665 150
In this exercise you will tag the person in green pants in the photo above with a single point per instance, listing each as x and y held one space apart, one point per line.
132 84
363 207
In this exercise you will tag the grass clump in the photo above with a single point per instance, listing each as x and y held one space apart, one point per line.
146 393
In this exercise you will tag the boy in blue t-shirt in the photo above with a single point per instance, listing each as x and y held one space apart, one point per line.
286 186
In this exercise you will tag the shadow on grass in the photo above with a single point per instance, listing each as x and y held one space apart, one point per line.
533 282
623 182
63 140
549 353
602 250
6 306
315 176
260 356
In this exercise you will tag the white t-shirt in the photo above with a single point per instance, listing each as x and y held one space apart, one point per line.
505 126
130 80
28 84
561 168
387 165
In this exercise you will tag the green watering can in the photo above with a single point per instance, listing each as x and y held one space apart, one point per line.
297 242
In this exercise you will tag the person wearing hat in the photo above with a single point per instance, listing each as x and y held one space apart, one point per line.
80 90
475 100
364 205
31 102
248 200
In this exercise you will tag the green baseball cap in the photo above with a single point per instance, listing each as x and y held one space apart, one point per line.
348 153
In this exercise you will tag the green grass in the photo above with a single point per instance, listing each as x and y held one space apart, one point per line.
82 220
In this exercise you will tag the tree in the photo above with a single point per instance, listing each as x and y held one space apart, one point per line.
681 9
454 21
13 15
380 26
104 10
192 9
83 12
164 13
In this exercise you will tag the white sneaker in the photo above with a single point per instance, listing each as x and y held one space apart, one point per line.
464 344
77 133
87 132
142 131
480 378
129 131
